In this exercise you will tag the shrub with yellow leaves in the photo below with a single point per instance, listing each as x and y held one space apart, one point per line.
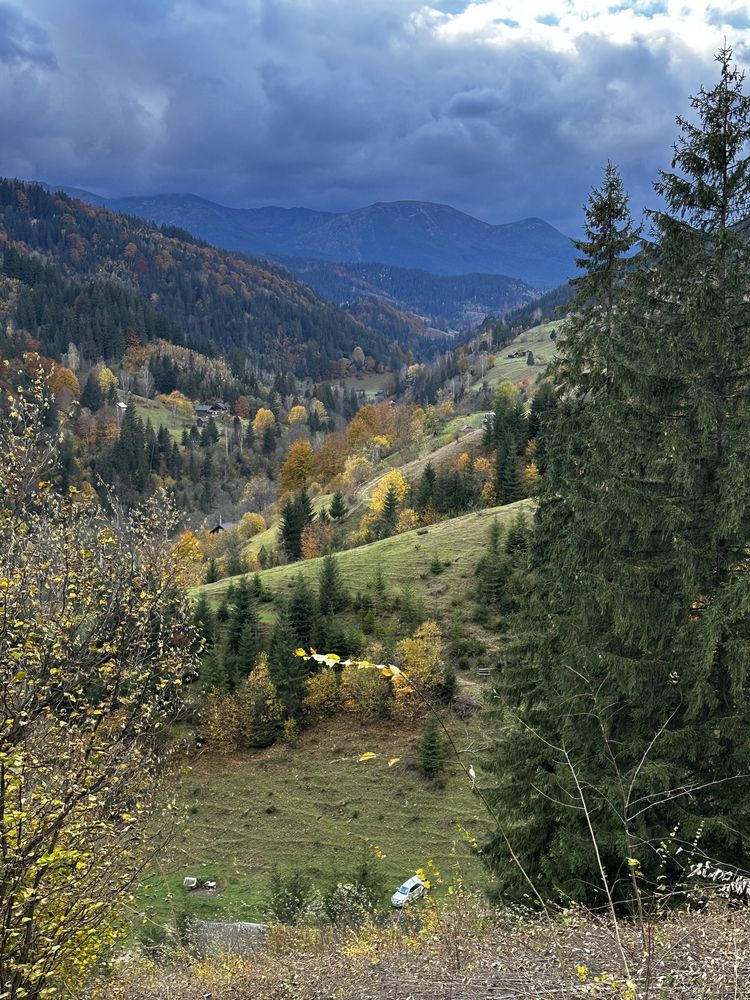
323 696
96 638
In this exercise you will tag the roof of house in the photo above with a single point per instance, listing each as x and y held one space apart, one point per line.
222 526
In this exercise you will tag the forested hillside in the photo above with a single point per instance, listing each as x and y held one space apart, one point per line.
447 301
406 234
208 299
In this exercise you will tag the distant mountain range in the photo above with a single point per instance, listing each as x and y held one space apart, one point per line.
410 234
445 302
75 274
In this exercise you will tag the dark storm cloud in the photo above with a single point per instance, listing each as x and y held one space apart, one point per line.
22 42
336 103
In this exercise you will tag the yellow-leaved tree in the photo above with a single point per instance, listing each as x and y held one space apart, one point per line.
263 418
260 712
251 524
96 638
421 659
297 469
392 482
297 415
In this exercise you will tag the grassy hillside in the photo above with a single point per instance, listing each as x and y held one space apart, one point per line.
538 340
404 559
315 808
441 449
159 415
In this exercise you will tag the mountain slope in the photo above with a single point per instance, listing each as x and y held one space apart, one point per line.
219 301
446 301
411 234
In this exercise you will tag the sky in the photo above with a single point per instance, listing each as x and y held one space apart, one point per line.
502 109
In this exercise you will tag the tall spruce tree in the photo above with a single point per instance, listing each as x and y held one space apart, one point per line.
338 509
508 487
296 514
584 343
389 514
332 596
303 613
631 691
288 672
432 753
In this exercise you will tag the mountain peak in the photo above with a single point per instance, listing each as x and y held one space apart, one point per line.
407 233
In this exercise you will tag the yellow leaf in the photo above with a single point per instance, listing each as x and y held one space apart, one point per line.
393 760
366 756
300 652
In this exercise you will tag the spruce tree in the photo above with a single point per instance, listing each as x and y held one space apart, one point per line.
244 611
585 341
91 397
508 487
205 620
250 642
518 534
288 672
235 563
631 688
303 614
425 489
213 675
259 709
296 514
332 596
338 509
432 755
389 513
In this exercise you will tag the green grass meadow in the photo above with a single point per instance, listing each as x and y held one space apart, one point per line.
316 808
405 559
537 340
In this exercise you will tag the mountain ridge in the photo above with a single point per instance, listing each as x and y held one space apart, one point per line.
408 233
211 299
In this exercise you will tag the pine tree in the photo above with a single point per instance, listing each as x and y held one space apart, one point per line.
432 756
332 596
288 672
508 487
204 618
632 669
389 513
338 509
302 613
